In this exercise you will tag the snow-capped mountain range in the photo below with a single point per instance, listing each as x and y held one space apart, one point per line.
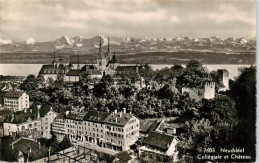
131 44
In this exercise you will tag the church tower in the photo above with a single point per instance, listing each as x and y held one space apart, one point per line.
101 60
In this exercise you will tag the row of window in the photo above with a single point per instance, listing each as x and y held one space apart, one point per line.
115 135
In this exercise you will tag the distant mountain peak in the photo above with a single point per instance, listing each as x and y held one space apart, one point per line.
4 42
30 41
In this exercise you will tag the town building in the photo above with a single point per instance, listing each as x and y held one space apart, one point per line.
198 93
18 79
117 131
37 127
16 100
53 70
159 147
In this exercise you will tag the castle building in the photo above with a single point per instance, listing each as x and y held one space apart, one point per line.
53 70
224 78
198 93
117 131
16 100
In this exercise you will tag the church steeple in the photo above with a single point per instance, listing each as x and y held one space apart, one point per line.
70 64
78 61
54 59
100 48
108 48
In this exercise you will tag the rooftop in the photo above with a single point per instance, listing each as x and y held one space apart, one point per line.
119 118
148 125
159 140
51 69
122 157
14 94
74 72
94 115
37 151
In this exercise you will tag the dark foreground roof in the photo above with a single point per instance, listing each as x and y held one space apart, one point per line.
123 157
159 140
14 94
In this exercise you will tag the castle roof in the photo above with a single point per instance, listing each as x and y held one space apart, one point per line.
52 69
13 94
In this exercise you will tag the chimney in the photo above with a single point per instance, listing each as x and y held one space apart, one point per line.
116 119
120 114
115 111
124 110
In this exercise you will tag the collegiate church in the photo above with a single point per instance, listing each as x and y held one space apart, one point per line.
107 64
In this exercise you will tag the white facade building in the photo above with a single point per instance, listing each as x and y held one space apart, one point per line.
117 131
16 100
36 128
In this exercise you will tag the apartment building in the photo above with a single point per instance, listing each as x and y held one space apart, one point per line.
31 128
117 131
16 100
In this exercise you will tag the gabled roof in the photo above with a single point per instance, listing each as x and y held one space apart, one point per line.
75 72
52 69
122 157
159 140
114 59
120 118
89 67
14 94
93 72
94 115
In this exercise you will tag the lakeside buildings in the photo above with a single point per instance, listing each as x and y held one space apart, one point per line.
117 131
16 100
106 64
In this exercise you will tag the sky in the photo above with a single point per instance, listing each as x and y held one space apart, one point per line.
46 20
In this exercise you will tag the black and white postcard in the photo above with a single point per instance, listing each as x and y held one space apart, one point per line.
136 81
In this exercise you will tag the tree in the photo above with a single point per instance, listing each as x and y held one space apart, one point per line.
243 91
65 143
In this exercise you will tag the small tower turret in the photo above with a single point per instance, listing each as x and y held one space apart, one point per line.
78 61
100 48
108 49
209 90
54 62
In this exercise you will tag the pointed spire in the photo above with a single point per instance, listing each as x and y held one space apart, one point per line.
108 48
70 64
78 61
100 48
54 59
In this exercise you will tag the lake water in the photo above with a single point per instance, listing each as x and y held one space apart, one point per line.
26 69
